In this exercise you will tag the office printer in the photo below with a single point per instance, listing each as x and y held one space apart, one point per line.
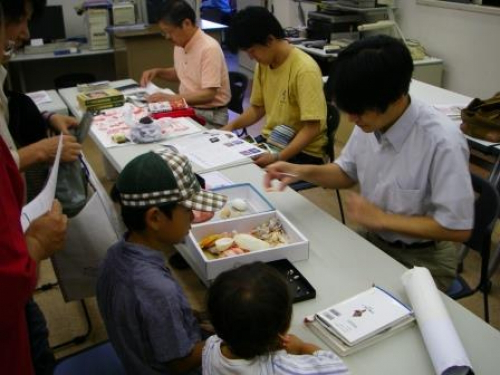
333 24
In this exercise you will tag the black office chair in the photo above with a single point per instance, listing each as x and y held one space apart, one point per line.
486 209
238 83
73 79
332 124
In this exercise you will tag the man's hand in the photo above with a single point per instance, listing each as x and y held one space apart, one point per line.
71 149
46 235
365 213
286 173
148 76
265 159
62 123
161 97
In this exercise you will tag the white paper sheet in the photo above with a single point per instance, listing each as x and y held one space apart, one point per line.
215 179
40 97
215 149
43 201
441 339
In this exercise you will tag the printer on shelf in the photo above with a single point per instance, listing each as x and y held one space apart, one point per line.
333 25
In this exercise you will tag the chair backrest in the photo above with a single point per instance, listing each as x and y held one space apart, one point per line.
100 359
238 83
486 209
332 124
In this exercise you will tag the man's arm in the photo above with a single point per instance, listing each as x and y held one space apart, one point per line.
327 175
309 130
202 96
189 362
249 117
168 74
360 210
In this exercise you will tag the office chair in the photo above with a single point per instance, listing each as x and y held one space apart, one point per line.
72 79
332 124
486 209
238 83
100 359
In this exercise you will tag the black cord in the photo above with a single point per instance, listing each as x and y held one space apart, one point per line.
45 287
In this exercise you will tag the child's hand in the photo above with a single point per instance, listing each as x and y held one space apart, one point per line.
294 345
291 343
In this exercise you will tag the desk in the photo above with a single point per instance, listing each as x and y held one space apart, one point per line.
341 264
118 156
24 69
429 69
436 95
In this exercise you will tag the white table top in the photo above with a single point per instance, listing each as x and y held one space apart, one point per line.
56 105
341 264
436 95
118 156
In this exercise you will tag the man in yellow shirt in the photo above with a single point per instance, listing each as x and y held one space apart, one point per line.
287 89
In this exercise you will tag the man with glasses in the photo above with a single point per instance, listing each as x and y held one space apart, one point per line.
199 65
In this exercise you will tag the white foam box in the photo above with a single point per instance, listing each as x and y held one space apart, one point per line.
208 269
255 201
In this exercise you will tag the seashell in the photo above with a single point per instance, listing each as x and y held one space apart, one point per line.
225 213
250 243
223 244
239 204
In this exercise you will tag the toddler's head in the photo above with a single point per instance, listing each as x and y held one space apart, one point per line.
250 307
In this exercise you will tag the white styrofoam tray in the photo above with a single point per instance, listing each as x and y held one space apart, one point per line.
208 269
255 201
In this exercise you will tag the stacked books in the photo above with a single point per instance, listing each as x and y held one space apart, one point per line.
100 99
360 321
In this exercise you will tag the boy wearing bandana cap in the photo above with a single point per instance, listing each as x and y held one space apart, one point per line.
147 316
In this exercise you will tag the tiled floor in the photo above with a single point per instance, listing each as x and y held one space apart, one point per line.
66 320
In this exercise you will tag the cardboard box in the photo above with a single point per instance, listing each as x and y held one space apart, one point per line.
208 269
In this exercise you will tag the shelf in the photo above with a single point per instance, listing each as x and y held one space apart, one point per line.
331 5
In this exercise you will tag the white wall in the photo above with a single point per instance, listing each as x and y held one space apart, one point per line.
286 11
466 41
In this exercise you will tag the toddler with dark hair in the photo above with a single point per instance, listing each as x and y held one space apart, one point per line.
251 309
